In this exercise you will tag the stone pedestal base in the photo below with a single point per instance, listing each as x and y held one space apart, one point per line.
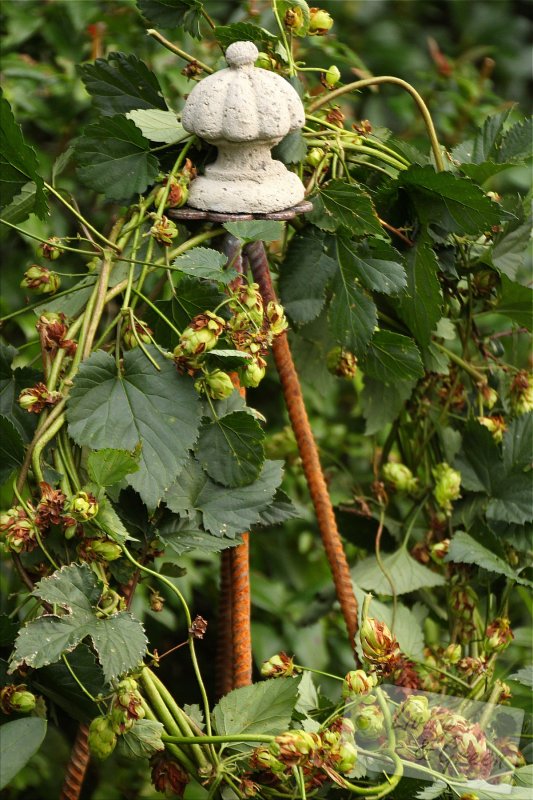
259 196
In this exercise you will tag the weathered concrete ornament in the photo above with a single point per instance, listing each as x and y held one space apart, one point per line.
244 111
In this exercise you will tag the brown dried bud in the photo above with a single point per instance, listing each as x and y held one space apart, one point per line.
50 506
498 635
198 627
36 398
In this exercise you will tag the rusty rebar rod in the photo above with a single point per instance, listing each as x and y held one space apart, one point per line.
308 449
77 765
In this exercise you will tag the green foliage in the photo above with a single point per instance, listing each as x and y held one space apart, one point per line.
263 708
120 83
230 449
119 639
203 262
143 406
19 740
114 158
18 163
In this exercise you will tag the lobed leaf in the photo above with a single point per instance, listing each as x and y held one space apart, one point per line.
351 208
304 275
203 262
113 158
157 125
373 262
230 449
392 357
420 306
18 163
263 708
159 409
121 82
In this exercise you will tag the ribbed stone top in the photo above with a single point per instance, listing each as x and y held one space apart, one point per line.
242 103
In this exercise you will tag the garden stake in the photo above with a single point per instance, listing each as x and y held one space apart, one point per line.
307 447
76 766
234 646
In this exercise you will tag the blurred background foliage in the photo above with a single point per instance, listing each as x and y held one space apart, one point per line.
468 58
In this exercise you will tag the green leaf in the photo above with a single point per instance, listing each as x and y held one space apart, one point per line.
225 511
280 510
516 302
305 273
420 306
243 32
518 443
120 643
74 587
142 740
119 639
255 230
158 126
194 296
432 791
230 449
70 305
187 541
108 466
158 409
380 405
352 314
406 573
203 262
510 247
373 262
486 144
20 208
351 207
516 144
18 163
452 203
108 519
292 149
523 676
12 382
464 549
19 741
113 158
226 359
174 14
11 449
391 357
320 217
479 462
58 684
120 83
512 499
263 708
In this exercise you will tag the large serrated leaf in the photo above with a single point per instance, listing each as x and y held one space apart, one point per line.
158 409
510 247
225 511
264 708
304 275
523 676
119 639
392 357
114 158
19 741
452 203
18 163
406 573
464 549
420 305
203 262
230 449
120 83
374 262
58 684
352 314
518 443
351 208
142 740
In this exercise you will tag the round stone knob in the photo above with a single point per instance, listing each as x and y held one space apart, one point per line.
241 54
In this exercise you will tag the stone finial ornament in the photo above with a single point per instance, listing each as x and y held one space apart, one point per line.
244 111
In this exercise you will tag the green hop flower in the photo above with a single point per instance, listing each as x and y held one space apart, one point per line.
400 477
217 385
253 373
357 682
333 76
83 506
102 738
447 486
320 22
41 280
